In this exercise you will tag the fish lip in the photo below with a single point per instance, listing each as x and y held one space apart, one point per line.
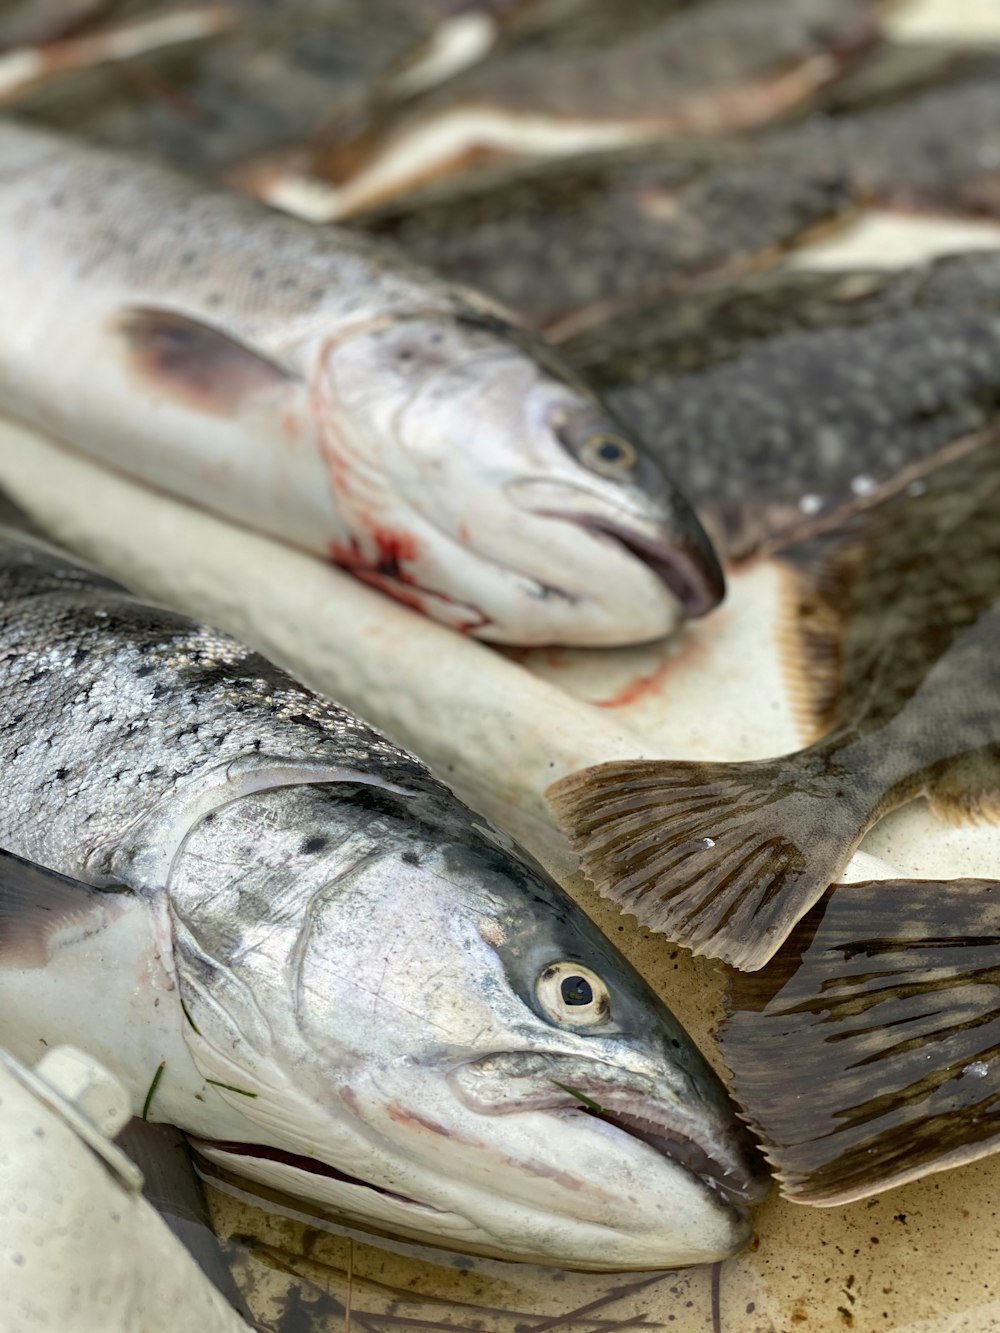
690 569
599 1092
739 1192
308 1165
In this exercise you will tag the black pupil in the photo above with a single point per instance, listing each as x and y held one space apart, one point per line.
611 452
577 990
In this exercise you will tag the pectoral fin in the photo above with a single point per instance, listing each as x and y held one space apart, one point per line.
41 910
194 364
868 1052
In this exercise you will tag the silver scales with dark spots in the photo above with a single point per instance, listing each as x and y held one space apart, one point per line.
285 937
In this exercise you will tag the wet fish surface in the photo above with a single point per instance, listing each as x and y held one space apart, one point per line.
569 248
884 997
602 79
629 229
892 635
275 73
286 938
316 386
780 399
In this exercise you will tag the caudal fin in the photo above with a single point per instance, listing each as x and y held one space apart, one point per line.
868 1054
722 858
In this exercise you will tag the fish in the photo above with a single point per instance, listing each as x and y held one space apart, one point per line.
624 230
777 400
38 21
287 939
573 248
273 76
892 630
316 386
885 997
639 72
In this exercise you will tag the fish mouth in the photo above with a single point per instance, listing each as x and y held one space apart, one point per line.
308 1165
689 568
739 1192
730 1168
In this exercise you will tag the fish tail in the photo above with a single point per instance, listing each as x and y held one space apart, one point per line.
868 1054
722 858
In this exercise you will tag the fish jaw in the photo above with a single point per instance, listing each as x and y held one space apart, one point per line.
534 1177
470 493
674 549
424 1091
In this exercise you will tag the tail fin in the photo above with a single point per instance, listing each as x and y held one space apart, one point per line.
869 1053
723 858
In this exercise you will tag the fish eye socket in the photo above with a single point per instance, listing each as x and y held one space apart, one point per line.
611 455
573 996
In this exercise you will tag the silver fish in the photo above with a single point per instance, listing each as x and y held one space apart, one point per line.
286 938
314 385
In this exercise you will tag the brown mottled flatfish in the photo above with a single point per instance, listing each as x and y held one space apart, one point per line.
778 399
893 647
884 1006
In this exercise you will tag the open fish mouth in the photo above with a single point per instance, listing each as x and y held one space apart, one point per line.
688 568
739 1191
731 1168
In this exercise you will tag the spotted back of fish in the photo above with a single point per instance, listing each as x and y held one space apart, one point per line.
112 705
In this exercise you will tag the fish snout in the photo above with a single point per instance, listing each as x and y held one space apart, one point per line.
673 1121
665 536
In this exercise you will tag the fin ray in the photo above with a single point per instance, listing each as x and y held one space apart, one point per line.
723 858
40 908
197 365
886 996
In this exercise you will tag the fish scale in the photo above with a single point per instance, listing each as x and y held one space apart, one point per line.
315 385
113 706
286 938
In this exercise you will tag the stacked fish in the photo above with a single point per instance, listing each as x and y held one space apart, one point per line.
266 870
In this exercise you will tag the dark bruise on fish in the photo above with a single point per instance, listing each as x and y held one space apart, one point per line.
884 1003
783 398
891 643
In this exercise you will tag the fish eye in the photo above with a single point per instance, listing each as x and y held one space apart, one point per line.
574 996
610 455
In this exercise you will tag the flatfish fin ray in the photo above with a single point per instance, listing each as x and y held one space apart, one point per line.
818 579
868 1052
723 858
41 909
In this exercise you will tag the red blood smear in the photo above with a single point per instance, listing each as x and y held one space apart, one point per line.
637 688
386 573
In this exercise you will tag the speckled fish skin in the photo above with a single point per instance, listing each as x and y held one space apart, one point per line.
645 59
893 629
288 939
317 386
569 248
781 399
606 77
278 75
